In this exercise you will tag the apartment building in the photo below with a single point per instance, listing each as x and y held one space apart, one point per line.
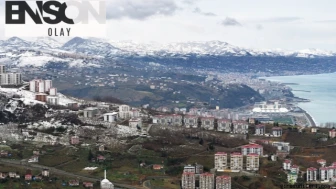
252 149
224 125
207 181
208 123
221 161
223 182
260 129
311 174
9 78
236 161
252 162
240 127
176 120
287 164
188 180
277 131
191 121
124 112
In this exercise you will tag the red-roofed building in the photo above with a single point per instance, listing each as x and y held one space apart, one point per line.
191 121
208 123
101 158
277 131
324 176
252 162
221 161
236 161
28 177
157 167
88 184
240 127
311 174
223 182
295 169
260 129
252 149
287 164
207 181
322 162
188 181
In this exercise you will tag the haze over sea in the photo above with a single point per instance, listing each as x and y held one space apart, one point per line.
319 89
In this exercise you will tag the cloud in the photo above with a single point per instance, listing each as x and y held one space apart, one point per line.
230 22
325 21
189 2
140 9
259 27
283 19
199 11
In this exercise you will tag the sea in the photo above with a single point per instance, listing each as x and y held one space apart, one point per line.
319 89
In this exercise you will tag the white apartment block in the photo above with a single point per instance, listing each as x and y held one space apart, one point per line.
189 169
162 119
208 123
221 161
240 127
2 69
311 174
287 164
224 125
277 131
9 78
135 123
111 117
207 181
176 120
53 100
223 182
42 86
124 111
260 130
252 149
252 162
191 121
188 180
324 174
236 161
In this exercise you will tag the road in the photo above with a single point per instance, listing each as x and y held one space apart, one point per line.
17 163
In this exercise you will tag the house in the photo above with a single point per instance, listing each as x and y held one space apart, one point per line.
3 175
224 125
191 121
111 117
252 162
135 113
313 130
101 158
311 174
294 169
252 149
73 183
277 131
208 123
101 148
12 175
221 161
240 127
332 133
287 164
45 173
90 112
157 167
176 120
135 123
28 175
223 182
292 178
236 161
207 181
260 129
3 153
36 152
322 162
87 184
324 176
74 140
252 121
33 159
188 180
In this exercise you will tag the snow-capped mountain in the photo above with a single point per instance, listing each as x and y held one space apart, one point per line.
90 47
47 42
15 43
214 48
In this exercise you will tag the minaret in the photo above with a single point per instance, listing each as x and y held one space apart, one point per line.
105 174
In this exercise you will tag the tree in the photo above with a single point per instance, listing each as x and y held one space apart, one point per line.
90 156
201 142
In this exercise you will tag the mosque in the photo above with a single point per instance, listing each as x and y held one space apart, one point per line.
106 184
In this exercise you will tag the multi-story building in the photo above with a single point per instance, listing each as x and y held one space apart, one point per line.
124 111
9 78
236 161
240 127
295 169
90 112
292 178
176 120
224 125
221 161
311 174
42 86
324 174
287 164
277 131
162 119
260 130
191 121
188 180
207 181
189 169
53 100
223 182
252 149
322 162
208 123
135 123
111 117
252 162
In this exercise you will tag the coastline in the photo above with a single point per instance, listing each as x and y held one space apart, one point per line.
311 120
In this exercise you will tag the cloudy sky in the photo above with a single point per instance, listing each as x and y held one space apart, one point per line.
285 24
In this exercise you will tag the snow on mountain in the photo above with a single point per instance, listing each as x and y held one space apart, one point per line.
90 47
47 42
15 43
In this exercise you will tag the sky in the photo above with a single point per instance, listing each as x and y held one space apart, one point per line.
260 24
